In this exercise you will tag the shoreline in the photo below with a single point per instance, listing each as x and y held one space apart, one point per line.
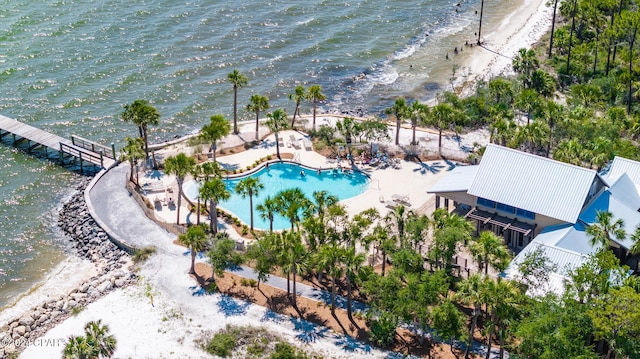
96 268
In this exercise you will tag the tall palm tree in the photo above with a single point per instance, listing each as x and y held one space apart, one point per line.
142 115
315 95
490 250
291 203
532 135
418 113
237 80
179 165
277 121
132 152
195 239
213 132
527 101
398 110
603 231
349 128
249 186
297 96
442 116
258 103
352 263
204 172
298 259
214 191
329 258
471 291
267 210
553 26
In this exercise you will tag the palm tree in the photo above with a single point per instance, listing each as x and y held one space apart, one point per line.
527 101
349 128
249 186
635 248
442 116
532 135
604 229
297 96
179 165
553 26
321 201
315 95
418 113
399 109
132 152
217 128
291 203
397 217
237 80
277 121
525 63
297 258
352 263
267 210
330 257
96 343
142 115
195 239
258 103
214 191
471 291
574 5
204 172
489 249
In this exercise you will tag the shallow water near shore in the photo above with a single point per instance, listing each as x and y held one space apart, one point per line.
69 66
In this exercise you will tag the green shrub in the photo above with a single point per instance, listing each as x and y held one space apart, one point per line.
222 344
287 351
245 229
142 254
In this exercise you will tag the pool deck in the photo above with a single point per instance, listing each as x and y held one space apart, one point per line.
410 179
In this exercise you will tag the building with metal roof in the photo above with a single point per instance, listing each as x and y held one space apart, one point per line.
539 203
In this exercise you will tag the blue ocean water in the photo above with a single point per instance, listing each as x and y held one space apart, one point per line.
68 66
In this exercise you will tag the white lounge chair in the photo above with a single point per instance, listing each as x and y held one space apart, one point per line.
404 199
293 141
307 144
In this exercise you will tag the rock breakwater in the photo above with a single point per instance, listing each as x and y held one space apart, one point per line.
90 242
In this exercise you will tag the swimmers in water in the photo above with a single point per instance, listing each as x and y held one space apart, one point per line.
302 173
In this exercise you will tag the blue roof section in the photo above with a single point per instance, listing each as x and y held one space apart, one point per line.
622 201
458 180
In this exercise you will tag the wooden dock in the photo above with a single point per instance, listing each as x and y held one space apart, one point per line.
76 147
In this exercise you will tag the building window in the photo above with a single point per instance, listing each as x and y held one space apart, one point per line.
520 239
505 208
525 214
486 203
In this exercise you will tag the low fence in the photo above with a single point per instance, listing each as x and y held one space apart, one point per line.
144 205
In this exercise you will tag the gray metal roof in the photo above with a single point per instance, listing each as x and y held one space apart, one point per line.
620 166
537 184
566 246
458 180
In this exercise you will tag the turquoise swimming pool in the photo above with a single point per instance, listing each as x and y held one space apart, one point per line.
281 176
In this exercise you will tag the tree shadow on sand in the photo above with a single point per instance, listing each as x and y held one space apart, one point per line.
231 307
308 332
433 168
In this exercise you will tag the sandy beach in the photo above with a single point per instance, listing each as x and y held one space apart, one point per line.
178 315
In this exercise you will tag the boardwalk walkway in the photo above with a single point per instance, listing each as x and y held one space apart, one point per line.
76 147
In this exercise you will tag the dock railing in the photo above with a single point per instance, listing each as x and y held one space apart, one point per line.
94 147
